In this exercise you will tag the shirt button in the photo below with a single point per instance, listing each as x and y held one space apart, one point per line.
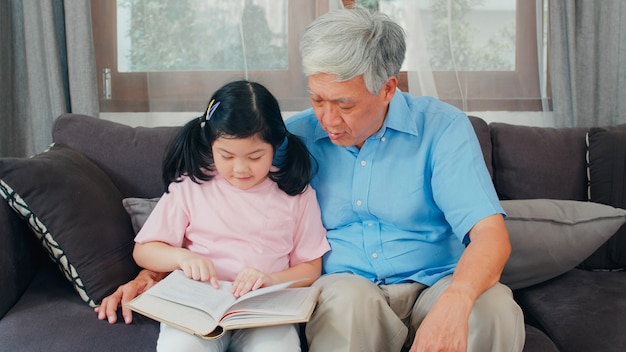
363 162
370 224
374 255
359 203
383 139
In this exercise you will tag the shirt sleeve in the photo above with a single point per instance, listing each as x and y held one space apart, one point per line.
167 222
310 235
462 187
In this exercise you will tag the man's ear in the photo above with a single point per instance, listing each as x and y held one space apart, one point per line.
389 88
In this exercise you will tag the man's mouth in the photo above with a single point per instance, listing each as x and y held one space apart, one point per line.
335 136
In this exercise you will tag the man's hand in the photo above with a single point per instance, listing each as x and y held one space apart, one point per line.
445 327
125 293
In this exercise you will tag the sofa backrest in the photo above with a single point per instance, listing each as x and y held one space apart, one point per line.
524 162
484 138
539 162
131 156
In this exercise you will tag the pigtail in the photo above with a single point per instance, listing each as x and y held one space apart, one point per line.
296 169
189 153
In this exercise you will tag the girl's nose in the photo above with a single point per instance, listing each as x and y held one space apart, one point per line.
240 166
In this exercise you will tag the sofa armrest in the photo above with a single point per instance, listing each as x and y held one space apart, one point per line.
20 256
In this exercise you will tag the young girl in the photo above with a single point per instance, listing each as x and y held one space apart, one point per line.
237 207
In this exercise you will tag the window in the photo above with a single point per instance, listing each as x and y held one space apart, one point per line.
171 55
482 53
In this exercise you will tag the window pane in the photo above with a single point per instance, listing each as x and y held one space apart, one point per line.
460 35
201 35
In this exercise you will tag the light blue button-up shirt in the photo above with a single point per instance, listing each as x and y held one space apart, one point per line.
399 209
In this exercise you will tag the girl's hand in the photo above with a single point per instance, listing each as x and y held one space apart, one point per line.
250 279
199 268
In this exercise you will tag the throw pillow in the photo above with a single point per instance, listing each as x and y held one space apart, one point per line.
77 215
139 209
550 237
606 173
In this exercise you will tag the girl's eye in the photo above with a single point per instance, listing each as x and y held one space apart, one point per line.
226 157
255 158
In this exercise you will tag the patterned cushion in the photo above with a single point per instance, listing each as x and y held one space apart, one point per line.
77 215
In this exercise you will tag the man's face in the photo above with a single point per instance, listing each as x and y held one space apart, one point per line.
346 110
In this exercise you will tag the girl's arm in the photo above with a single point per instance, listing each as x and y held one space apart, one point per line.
162 257
251 279
310 270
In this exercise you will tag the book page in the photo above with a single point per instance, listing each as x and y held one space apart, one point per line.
293 305
176 287
277 303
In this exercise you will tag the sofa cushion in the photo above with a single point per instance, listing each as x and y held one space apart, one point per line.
130 156
537 340
550 237
606 172
51 317
77 215
539 162
580 310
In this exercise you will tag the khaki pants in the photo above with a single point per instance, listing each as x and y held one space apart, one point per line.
356 315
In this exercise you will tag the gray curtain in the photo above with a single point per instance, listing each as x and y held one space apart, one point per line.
48 70
588 62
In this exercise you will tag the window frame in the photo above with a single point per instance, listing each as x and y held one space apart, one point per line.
517 90
186 90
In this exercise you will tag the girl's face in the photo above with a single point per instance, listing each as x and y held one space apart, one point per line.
244 162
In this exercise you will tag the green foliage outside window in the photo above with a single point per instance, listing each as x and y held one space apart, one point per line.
451 39
175 35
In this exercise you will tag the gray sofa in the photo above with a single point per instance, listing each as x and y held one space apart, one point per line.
70 208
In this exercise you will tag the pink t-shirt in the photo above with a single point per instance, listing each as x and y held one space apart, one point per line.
262 227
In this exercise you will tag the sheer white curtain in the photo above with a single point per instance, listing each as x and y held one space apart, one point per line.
480 55
419 71
477 55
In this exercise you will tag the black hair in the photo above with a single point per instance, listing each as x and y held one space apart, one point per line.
245 109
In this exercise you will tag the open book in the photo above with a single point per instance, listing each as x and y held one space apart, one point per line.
200 309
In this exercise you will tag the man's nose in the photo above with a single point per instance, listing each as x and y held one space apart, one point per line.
330 116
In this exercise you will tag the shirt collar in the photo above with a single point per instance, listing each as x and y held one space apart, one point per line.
396 119
398 115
